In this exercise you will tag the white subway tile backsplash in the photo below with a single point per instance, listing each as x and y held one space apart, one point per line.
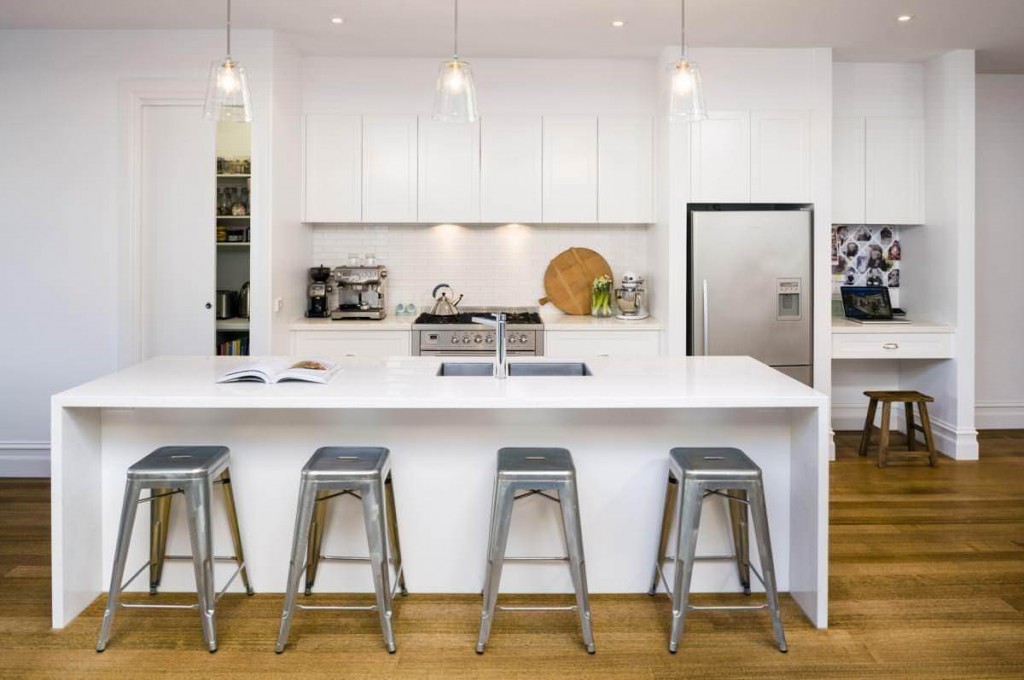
491 265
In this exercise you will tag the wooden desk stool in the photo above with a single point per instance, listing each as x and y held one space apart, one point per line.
908 399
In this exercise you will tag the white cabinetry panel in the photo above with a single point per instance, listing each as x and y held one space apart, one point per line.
389 169
333 344
624 169
449 171
720 158
332 165
893 345
511 169
570 169
849 171
780 143
894 153
582 344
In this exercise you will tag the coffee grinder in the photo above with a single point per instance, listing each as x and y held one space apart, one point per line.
317 291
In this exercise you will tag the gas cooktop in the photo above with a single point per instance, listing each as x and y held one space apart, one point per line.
515 316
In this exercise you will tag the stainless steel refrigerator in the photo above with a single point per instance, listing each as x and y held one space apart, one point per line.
750 284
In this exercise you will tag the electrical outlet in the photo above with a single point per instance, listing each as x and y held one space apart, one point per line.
278 305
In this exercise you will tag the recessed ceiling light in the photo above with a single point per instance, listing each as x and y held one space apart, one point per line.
904 18
337 20
618 23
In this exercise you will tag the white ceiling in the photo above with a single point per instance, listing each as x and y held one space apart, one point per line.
859 29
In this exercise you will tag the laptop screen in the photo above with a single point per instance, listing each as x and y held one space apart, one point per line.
866 302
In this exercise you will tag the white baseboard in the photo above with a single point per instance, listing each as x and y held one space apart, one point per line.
24 459
999 415
959 444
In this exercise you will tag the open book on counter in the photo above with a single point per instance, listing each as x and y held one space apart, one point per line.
281 370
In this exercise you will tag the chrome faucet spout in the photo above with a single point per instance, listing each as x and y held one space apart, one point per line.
500 351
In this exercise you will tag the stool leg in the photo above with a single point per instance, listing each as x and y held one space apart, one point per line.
373 514
500 521
124 539
666 527
926 423
883 435
908 408
236 536
198 495
396 546
869 424
300 537
570 504
759 511
740 535
690 499
159 516
316 537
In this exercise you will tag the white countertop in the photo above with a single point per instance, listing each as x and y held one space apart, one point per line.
411 382
388 323
843 325
552 322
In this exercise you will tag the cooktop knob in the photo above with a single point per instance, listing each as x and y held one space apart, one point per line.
523 338
489 339
465 340
477 339
511 339
454 339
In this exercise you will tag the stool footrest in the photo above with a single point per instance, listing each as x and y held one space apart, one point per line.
535 559
536 609
341 608
343 558
727 608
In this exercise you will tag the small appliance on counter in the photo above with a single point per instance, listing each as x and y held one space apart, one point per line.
227 304
361 293
243 301
631 298
317 293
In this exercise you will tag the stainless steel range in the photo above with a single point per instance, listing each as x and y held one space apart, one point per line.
457 335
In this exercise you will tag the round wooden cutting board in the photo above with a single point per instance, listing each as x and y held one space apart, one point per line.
569 278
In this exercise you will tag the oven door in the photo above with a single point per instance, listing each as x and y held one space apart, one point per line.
482 354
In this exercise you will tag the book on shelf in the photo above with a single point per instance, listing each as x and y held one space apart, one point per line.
281 370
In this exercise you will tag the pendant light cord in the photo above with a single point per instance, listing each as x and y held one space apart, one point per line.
682 27
455 46
229 28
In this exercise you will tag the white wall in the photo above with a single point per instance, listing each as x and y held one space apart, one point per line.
62 206
1000 242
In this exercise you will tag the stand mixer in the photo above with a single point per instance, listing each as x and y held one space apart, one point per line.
631 297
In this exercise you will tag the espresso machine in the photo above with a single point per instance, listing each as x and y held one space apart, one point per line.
317 292
361 292
632 298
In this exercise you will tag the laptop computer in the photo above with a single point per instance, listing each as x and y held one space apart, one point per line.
868 304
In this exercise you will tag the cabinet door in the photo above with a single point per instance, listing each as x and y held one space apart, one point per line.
895 170
780 157
332 168
335 344
511 169
720 158
389 169
848 171
625 165
583 344
570 169
449 171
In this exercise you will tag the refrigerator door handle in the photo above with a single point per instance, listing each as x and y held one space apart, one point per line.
705 294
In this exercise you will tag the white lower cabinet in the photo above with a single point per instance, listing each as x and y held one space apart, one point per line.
893 345
580 344
331 344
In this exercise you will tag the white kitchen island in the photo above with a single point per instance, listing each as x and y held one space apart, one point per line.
443 433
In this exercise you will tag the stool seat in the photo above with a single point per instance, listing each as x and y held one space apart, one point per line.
712 463
346 462
174 463
540 464
902 396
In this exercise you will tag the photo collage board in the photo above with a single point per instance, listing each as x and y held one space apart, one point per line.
866 255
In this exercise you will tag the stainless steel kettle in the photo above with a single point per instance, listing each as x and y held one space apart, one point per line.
243 301
444 305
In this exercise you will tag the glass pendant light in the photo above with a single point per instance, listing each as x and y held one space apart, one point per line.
686 92
227 94
455 98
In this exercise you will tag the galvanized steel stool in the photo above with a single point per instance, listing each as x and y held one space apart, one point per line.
168 471
698 473
365 474
534 471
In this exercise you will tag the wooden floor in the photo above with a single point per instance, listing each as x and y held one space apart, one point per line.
927 580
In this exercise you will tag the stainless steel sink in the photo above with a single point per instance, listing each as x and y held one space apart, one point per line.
516 369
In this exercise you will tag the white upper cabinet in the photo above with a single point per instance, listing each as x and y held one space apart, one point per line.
332 168
780 157
625 166
511 169
848 171
449 171
389 169
720 158
894 152
570 169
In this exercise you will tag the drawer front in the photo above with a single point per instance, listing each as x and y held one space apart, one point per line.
569 344
330 344
892 345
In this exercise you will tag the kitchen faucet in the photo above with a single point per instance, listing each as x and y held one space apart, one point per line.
500 353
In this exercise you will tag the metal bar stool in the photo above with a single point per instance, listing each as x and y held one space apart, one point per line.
365 474
696 474
534 471
170 470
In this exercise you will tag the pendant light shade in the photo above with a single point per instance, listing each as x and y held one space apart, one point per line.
686 91
455 96
227 92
